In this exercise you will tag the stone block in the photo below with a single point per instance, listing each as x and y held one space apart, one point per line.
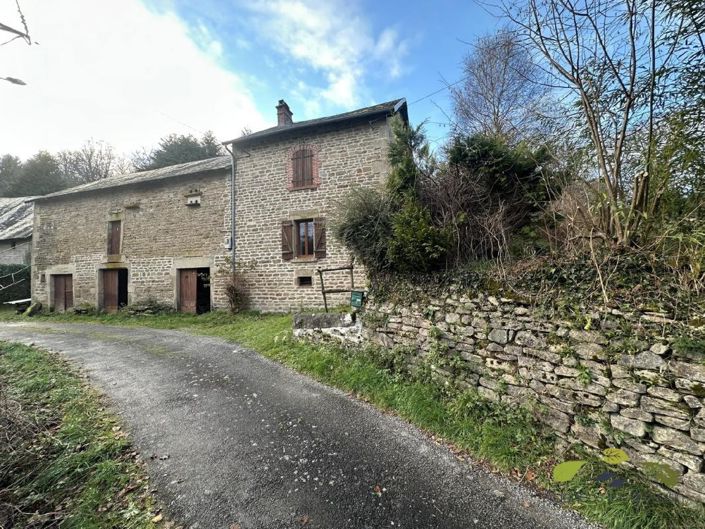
660 349
665 393
688 371
557 420
624 397
692 401
698 434
663 407
593 337
637 413
543 354
674 439
629 385
672 422
688 460
631 426
590 351
529 339
566 371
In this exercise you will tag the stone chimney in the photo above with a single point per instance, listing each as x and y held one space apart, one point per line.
284 114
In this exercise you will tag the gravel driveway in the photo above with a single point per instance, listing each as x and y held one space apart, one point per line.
233 438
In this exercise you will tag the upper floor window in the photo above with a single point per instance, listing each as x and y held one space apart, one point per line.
114 236
303 168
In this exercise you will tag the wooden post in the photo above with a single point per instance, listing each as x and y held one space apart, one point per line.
323 289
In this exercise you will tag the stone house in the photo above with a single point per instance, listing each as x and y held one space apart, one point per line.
170 235
15 230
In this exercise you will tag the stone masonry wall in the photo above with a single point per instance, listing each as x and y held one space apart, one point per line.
622 382
346 156
15 252
160 234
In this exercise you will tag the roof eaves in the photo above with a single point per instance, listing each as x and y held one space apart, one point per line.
117 183
388 108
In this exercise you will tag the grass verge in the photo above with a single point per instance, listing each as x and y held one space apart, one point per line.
506 438
64 459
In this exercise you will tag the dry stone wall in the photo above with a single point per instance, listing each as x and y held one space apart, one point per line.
624 381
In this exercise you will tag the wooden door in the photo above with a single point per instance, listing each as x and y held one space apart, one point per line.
188 279
110 290
68 291
63 292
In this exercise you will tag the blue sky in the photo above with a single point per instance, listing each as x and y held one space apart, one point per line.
128 72
393 49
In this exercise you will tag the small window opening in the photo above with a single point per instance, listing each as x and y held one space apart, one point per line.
304 281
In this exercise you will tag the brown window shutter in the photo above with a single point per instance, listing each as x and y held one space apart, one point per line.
307 177
287 240
319 228
114 229
298 162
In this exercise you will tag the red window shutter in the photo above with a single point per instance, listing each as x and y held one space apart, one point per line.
287 240
319 227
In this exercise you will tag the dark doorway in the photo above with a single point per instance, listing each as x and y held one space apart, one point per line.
62 292
114 289
194 290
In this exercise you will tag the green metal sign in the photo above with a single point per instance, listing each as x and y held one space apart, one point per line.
356 298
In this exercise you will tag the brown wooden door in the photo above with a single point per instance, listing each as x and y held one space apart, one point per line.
68 291
110 290
62 295
188 279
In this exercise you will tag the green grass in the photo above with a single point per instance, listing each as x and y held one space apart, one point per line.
65 462
507 438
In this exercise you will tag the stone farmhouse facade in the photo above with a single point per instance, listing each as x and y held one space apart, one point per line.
172 235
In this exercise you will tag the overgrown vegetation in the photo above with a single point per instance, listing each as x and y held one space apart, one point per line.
571 141
505 436
64 459
14 282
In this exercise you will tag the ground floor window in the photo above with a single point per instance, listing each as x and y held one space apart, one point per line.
304 237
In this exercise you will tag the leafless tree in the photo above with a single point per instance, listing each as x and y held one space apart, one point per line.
16 34
608 61
95 160
502 93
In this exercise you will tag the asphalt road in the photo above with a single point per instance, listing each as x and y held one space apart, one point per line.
233 438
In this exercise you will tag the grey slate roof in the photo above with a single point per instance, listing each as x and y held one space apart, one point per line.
182 169
397 105
16 218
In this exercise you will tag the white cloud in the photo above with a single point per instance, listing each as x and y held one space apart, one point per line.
330 37
118 72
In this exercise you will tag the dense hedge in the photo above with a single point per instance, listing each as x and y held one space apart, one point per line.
21 288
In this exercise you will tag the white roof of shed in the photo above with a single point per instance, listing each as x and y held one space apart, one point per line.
16 218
